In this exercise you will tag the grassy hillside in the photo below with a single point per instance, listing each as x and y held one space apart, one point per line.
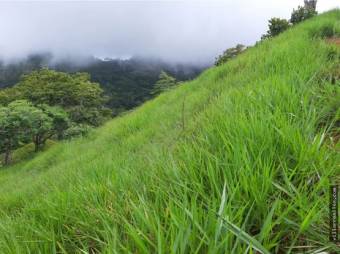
237 161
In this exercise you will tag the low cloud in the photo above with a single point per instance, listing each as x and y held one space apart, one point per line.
181 31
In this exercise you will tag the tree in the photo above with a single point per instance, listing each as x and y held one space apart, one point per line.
40 127
15 123
7 95
61 121
47 122
164 83
230 53
21 121
301 14
67 91
310 4
76 130
276 26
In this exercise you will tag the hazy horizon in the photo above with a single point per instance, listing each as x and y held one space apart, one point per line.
178 31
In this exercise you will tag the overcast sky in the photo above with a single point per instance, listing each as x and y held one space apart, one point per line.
175 30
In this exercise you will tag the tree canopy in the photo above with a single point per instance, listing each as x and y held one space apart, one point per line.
44 105
301 14
47 122
75 93
278 25
164 83
15 124
230 53
275 27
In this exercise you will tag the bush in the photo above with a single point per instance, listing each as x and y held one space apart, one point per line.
164 83
301 14
276 26
77 130
229 54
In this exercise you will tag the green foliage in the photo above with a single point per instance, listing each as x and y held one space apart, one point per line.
48 122
15 125
80 97
21 122
301 14
89 115
41 126
164 83
276 26
60 119
27 152
249 173
77 130
55 100
11 72
310 4
126 83
8 95
330 115
229 54
129 83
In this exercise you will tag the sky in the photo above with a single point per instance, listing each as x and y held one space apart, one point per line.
179 31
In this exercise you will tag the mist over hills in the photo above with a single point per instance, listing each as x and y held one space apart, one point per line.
127 82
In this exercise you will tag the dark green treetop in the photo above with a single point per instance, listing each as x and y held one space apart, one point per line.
164 83
230 53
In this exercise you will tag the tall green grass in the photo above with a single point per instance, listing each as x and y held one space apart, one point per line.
237 161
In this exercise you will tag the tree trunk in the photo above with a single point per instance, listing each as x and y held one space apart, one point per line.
7 158
36 141
60 135
36 147
39 142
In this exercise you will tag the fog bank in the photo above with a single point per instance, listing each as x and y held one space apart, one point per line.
180 31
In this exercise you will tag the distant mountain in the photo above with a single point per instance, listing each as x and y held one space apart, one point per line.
127 83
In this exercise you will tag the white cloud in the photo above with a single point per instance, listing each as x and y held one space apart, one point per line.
176 30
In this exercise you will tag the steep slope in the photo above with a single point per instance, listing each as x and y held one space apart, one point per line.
238 160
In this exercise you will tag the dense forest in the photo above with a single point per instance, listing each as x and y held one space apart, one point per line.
126 83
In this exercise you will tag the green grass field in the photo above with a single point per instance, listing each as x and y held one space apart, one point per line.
237 161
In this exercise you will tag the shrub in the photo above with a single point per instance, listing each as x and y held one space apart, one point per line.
164 83
301 14
77 130
276 26
229 54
